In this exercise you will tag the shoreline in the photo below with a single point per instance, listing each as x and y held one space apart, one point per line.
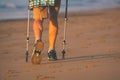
75 13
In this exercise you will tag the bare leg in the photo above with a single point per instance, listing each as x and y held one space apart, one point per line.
53 25
38 28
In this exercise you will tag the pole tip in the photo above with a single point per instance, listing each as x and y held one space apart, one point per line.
26 56
63 54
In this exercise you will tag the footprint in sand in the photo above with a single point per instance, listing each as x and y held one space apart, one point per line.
42 77
12 73
117 59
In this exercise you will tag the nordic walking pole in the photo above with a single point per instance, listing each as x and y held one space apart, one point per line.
65 25
27 40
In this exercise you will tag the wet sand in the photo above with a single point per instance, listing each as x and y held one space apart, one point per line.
92 49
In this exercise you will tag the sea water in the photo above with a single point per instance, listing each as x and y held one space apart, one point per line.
17 9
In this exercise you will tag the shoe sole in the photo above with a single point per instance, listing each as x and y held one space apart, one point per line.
36 58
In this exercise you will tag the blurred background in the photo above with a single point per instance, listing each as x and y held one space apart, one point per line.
17 9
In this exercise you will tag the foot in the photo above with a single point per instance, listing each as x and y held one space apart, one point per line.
52 55
36 55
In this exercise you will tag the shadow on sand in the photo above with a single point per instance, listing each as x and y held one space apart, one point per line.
81 58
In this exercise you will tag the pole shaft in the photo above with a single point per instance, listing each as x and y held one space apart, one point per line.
28 28
66 9
27 40
65 26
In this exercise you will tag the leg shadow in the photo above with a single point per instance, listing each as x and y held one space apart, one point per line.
81 58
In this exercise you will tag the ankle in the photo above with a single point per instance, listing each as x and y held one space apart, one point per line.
38 40
50 49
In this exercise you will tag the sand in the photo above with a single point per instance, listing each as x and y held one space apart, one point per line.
92 49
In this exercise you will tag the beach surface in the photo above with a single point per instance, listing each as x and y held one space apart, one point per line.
92 48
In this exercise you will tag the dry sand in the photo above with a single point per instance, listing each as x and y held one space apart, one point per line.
92 50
